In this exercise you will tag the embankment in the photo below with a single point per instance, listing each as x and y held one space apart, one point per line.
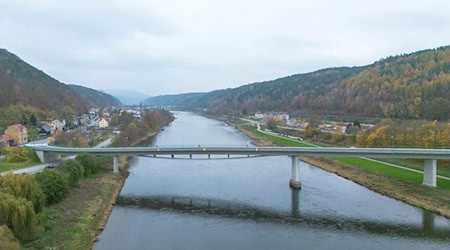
431 199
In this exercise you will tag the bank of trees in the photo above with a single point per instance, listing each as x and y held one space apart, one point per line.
133 130
23 197
390 133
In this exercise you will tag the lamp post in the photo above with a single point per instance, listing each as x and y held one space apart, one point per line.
393 141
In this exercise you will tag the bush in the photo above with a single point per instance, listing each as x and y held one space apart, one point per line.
54 184
89 163
24 186
72 170
16 154
7 239
18 214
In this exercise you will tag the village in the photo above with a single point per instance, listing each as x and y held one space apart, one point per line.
93 124
300 121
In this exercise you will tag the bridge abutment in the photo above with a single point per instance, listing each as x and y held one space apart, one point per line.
429 173
47 156
295 174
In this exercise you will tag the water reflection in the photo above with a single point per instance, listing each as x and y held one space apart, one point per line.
201 206
295 202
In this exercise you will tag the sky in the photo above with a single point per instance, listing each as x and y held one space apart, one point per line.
179 46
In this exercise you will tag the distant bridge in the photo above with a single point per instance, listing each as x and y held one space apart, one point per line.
49 153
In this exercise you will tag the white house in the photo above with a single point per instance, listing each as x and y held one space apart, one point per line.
259 115
103 123
58 126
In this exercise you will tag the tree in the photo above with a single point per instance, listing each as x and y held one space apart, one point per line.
273 123
54 185
89 163
33 120
7 239
72 170
24 186
18 214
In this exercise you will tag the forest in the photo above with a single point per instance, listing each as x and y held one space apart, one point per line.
409 86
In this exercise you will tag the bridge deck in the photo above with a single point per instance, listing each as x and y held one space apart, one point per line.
414 153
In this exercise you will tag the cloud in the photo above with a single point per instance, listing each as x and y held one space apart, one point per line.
180 46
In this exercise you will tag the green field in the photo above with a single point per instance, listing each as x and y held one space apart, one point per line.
393 172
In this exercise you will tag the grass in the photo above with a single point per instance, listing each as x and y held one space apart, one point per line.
32 160
399 174
281 140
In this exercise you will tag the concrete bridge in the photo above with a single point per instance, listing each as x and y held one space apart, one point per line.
49 153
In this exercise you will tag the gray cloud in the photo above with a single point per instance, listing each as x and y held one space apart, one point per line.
179 46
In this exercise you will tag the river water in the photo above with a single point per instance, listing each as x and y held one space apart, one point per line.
248 204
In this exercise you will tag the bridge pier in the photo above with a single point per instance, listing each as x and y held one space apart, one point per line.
116 164
429 173
295 174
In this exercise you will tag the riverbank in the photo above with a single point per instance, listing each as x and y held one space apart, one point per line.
74 223
431 199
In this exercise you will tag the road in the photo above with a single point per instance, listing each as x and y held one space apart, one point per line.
40 167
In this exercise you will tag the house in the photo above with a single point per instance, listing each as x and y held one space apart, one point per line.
18 133
58 126
103 123
259 115
84 120
6 141
46 130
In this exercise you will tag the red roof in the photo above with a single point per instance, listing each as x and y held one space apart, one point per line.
6 137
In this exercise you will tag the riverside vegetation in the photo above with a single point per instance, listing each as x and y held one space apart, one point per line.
64 208
396 183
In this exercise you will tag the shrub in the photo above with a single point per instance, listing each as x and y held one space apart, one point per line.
24 186
89 163
7 239
16 154
54 185
72 170
18 214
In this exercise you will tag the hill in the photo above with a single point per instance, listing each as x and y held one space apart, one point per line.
96 98
128 97
22 84
407 86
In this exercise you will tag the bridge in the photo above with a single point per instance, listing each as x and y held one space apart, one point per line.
49 153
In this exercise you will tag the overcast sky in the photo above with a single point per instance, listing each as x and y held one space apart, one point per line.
166 47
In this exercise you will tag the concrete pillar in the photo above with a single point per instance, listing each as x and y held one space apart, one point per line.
429 173
116 164
295 174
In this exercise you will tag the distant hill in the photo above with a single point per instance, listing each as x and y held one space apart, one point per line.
407 86
128 97
185 101
23 84
96 98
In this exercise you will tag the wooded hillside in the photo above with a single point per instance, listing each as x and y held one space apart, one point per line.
408 86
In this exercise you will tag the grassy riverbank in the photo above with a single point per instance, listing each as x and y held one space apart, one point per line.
75 222
397 183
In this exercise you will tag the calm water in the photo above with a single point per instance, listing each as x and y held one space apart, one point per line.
248 204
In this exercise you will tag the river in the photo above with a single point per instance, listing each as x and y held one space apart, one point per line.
248 204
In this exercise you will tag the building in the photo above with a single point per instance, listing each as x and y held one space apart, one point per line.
6 141
58 126
259 115
18 133
103 123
